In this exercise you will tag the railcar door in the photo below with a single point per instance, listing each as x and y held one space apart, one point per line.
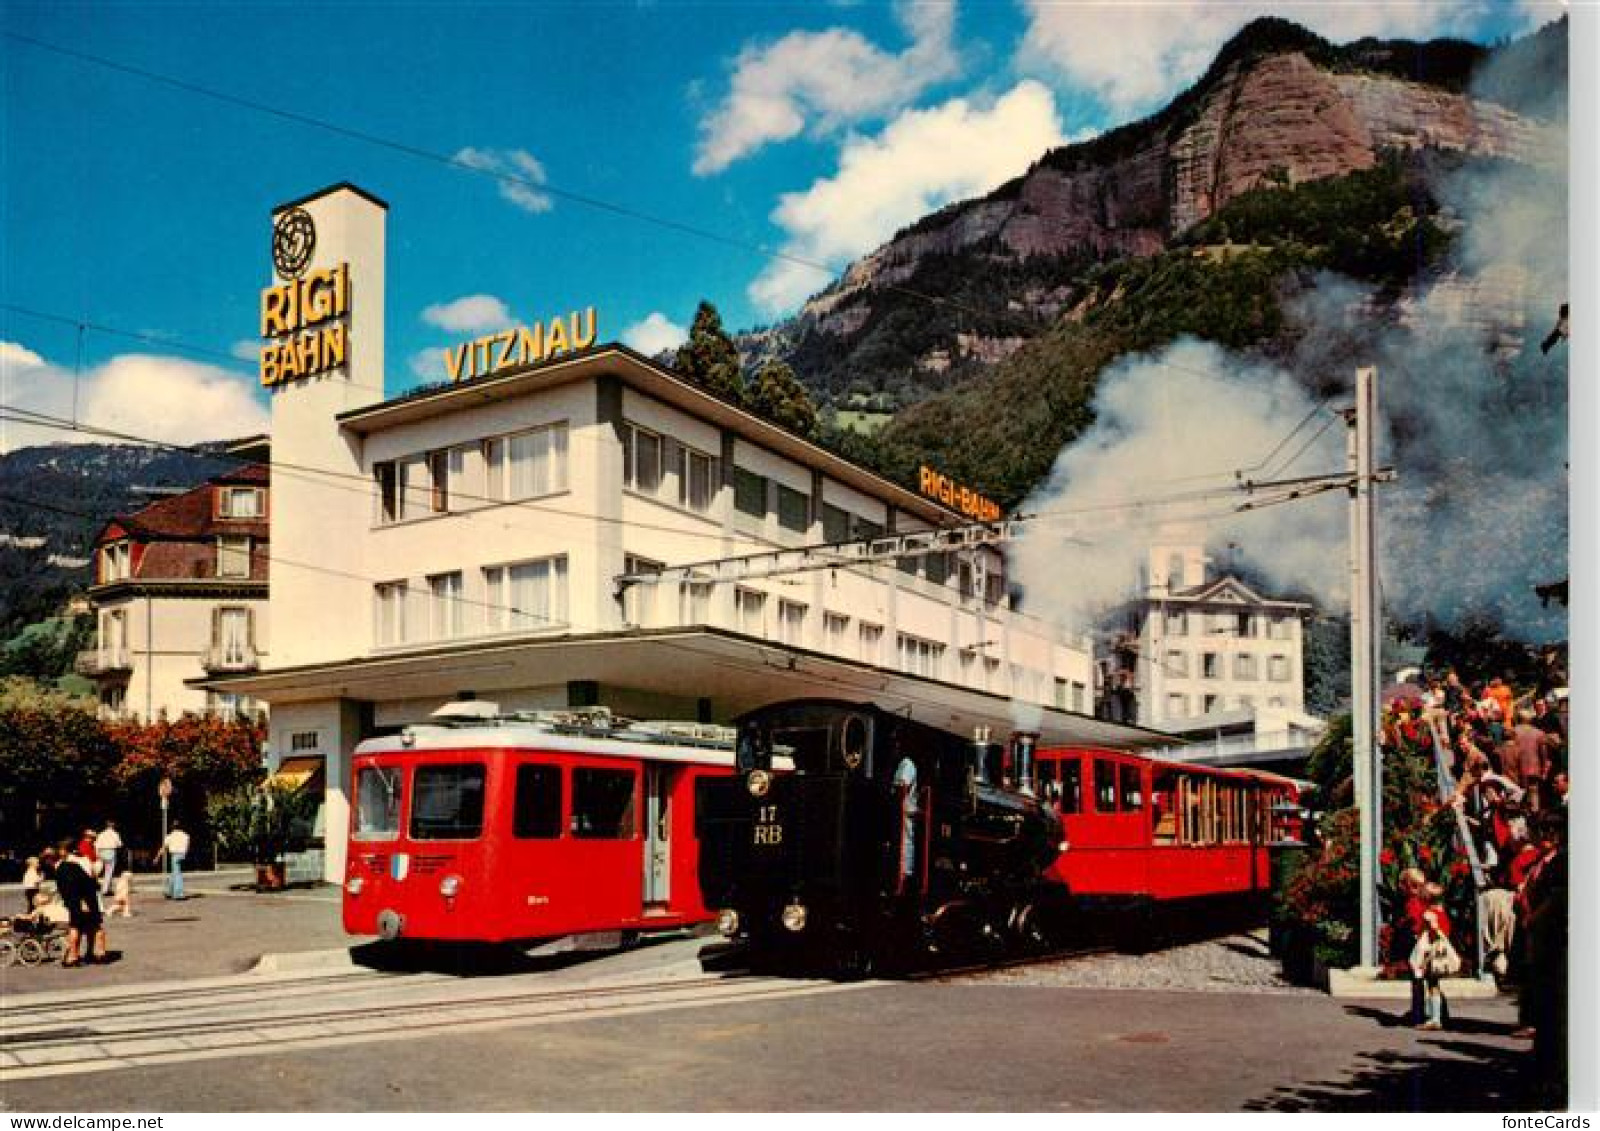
659 781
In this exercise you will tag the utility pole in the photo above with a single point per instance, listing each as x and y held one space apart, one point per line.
1365 636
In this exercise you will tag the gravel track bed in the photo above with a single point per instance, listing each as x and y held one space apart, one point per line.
1233 964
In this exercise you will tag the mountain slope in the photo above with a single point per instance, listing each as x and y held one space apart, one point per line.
961 289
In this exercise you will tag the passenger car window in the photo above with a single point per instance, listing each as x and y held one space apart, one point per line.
447 802
1132 793
1071 800
536 807
378 803
602 804
1105 786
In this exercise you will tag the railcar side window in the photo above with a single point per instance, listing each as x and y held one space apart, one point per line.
447 802
1071 787
536 807
602 804
378 803
1132 793
1105 786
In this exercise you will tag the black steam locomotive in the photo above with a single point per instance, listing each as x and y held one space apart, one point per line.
854 840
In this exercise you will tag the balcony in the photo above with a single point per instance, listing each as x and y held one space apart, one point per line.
103 663
219 659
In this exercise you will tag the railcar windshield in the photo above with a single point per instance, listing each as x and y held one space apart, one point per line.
447 802
378 791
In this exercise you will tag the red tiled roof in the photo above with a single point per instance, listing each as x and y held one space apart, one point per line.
179 534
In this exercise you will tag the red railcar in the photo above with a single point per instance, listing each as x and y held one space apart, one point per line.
1165 831
528 828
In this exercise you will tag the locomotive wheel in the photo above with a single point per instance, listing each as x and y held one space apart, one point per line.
30 952
1027 927
8 952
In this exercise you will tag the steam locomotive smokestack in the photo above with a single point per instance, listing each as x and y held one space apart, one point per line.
980 754
1022 747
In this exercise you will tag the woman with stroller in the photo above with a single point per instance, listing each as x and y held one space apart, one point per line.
86 930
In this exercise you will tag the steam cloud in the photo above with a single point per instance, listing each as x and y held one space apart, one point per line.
1474 420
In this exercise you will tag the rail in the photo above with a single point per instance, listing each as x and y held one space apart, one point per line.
1469 846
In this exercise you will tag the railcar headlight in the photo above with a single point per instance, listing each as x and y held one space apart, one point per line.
759 782
728 922
450 886
794 917
354 885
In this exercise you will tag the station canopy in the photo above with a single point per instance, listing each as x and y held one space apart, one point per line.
737 673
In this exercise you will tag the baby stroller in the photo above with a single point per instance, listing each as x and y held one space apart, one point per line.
30 941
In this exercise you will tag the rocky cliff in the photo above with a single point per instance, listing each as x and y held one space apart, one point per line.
1279 106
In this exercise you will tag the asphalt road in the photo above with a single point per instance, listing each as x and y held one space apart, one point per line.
962 1045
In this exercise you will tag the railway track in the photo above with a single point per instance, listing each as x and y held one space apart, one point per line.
143 1028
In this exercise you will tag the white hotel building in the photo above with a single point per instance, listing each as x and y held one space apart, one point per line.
467 541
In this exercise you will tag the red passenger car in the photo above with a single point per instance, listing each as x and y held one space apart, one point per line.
528 827
1142 829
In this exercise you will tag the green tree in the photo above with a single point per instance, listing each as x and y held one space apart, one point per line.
778 395
709 358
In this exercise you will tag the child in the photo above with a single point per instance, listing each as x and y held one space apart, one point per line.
1432 960
122 889
32 881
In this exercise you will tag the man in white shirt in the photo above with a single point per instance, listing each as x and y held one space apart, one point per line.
175 848
106 847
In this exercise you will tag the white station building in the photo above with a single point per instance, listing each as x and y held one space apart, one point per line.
468 541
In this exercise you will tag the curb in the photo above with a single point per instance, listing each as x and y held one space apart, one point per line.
304 961
1357 983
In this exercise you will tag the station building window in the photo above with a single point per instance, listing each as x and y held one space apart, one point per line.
1244 667
526 596
749 493
694 602
1177 624
751 607
871 641
791 622
641 459
835 523
444 605
527 464
836 628
389 612
794 509
696 479
1278 669
1177 663
919 656
638 600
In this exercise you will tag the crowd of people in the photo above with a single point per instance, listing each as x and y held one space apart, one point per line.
1508 758
77 884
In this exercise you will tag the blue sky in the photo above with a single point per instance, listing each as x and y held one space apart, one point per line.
817 129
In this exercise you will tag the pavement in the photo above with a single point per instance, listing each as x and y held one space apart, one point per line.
1032 1046
225 927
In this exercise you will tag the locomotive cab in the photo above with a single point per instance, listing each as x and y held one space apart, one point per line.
886 834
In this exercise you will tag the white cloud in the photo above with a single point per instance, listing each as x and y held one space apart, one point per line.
166 399
922 160
1133 57
427 365
655 334
833 77
518 172
247 349
468 314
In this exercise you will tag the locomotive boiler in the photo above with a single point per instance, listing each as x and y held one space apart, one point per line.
888 841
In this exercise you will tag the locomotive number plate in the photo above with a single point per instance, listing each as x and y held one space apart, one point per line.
768 830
